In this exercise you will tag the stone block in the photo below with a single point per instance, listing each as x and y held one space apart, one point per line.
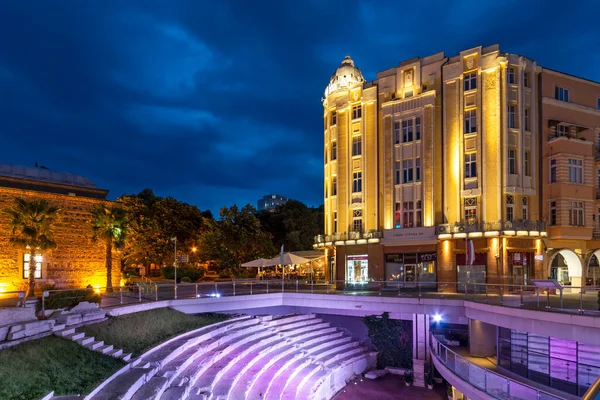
93 315
397 371
69 319
3 333
14 315
33 328
84 306
376 374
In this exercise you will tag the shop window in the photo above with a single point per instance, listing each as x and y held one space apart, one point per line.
357 268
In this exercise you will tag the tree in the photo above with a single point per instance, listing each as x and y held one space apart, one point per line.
293 224
109 224
392 339
32 224
235 238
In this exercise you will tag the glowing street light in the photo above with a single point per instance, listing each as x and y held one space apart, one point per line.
437 318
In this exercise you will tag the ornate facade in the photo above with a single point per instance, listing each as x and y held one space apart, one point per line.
439 153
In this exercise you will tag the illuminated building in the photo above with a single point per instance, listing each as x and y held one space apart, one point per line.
432 153
271 201
77 261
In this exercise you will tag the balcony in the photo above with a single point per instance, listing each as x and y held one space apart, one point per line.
348 238
491 229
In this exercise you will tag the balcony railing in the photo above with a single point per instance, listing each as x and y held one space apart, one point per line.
486 226
492 383
371 234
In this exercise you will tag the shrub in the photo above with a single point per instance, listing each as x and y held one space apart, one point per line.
185 279
68 299
392 339
194 274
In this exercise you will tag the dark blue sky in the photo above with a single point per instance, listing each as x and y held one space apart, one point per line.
218 102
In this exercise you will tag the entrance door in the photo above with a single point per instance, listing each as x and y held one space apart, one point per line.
518 277
410 274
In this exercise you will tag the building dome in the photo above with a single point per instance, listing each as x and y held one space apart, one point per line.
345 76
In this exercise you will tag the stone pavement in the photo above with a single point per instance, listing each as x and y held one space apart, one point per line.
390 387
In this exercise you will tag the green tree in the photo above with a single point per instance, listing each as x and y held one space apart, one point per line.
32 225
109 224
236 237
392 339
293 224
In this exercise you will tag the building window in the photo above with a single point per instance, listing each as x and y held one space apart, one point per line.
335 222
511 75
562 130
471 210
553 170
408 93
407 131
357 182
398 173
357 221
512 161
576 213
398 215
407 170
334 185
525 208
470 121
471 165
511 117
418 129
333 118
326 190
333 150
527 163
407 214
356 112
419 214
526 115
418 169
510 207
38 266
575 170
397 132
561 94
470 81
356 145
325 154
526 79
553 213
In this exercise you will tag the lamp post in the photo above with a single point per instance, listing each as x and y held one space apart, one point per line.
174 240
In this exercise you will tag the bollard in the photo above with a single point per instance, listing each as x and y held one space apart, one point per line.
250 287
234 288
312 286
196 287
120 295
216 288
139 293
156 292
296 285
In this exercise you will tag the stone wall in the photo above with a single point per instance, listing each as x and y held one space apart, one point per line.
76 262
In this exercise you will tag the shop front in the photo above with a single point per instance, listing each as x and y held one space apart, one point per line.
357 268
474 275
411 269
519 267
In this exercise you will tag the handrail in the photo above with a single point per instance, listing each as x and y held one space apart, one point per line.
593 392
9 295
497 391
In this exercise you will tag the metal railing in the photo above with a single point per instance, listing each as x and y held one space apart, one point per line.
492 383
488 226
370 234
13 298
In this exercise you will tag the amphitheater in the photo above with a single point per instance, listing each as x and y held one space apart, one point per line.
297 356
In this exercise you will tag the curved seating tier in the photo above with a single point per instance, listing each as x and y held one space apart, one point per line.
291 357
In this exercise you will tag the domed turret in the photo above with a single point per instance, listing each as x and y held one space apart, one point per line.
345 76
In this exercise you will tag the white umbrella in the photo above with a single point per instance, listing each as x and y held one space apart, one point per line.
260 262
287 259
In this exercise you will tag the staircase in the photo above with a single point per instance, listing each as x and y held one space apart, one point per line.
285 358
90 342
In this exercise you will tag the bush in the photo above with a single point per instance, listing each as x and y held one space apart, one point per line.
392 339
194 274
238 273
186 279
68 299
131 272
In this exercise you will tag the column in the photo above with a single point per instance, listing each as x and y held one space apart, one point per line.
420 325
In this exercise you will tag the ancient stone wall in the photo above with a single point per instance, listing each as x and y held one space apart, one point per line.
76 262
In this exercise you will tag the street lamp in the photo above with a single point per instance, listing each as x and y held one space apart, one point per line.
174 240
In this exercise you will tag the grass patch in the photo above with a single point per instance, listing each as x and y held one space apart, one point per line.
33 369
138 332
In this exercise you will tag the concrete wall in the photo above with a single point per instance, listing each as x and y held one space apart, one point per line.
482 339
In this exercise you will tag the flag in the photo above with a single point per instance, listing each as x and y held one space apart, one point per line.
281 255
470 252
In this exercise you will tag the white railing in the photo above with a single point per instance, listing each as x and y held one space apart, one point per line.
492 383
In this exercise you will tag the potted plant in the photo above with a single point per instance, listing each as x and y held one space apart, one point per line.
408 378
429 382
449 392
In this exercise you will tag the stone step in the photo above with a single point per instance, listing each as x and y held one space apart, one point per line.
59 327
263 378
152 389
296 324
279 382
116 353
74 336
126 357
105 349
85 340
124 386
286 319
95 345
64 332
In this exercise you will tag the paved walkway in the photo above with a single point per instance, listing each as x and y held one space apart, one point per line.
390 387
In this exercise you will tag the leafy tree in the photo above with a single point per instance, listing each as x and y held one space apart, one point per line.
109 224
32 224
293 224
236 237
392 339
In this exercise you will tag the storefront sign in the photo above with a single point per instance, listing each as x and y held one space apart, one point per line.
408 234
539 257
426 257
358 257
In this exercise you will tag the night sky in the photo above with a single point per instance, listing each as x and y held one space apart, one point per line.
219 102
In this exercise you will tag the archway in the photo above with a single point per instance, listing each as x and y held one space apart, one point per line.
593 269
566 267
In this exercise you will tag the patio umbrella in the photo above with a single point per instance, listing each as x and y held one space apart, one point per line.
259 262
287 259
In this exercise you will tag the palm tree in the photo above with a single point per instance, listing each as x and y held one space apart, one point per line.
110 225
32 224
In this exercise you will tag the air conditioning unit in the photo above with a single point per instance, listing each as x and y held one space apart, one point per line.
461 228
508 225
442 229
